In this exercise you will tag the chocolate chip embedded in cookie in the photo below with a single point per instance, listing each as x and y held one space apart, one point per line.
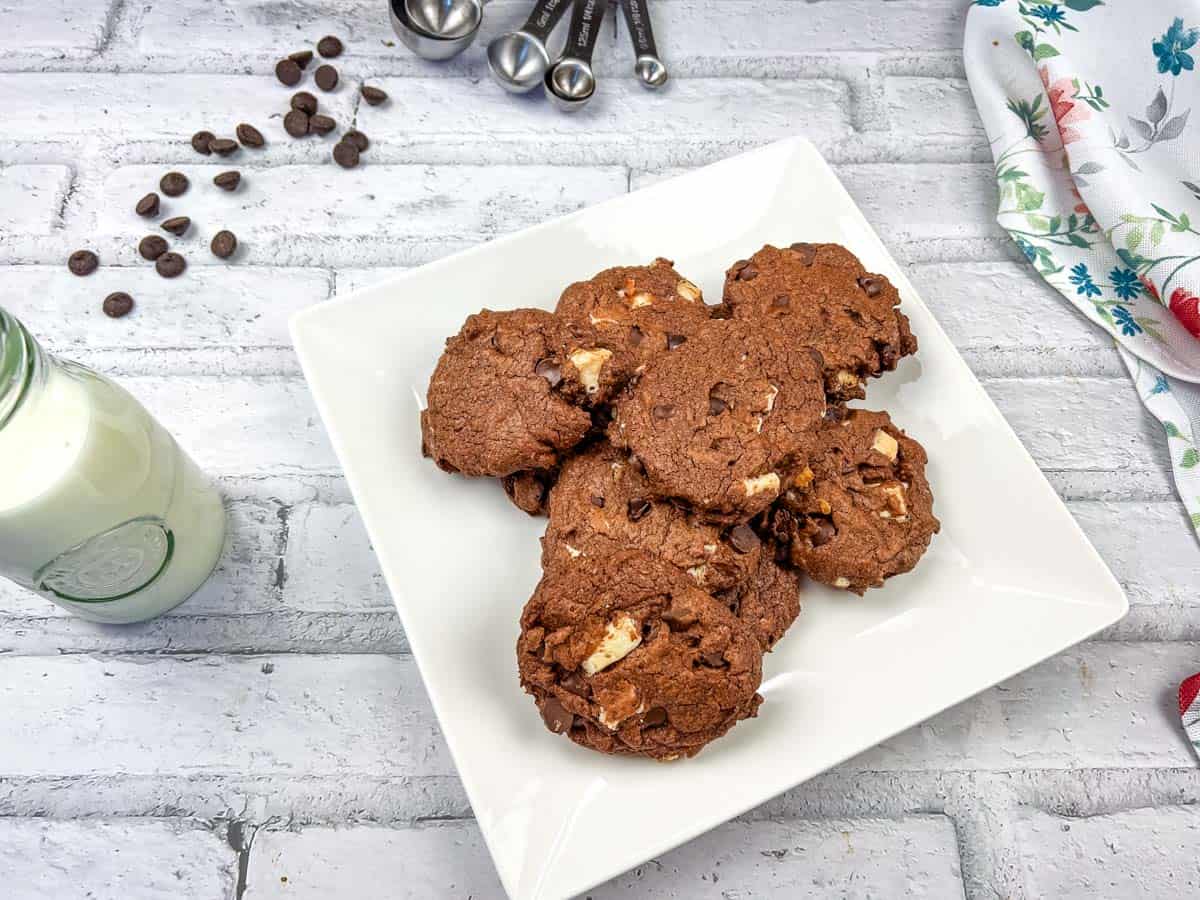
823 297
862 510
642 310
769 601
714 421
624 654
505 395
528 490
601 504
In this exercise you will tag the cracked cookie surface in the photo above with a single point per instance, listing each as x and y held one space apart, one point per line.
624 654
768 601
822 297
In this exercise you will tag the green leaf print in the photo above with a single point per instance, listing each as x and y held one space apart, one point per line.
1133 240
1156 233
1043 51
1189 459
1196 520
1029 198
1172 429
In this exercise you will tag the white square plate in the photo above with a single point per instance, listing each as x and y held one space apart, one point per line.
1009 581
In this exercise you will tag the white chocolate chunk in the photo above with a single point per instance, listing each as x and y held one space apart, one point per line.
620 637
771 395
841 582
886 444
761 484
640 299
710 549
847 379
894 492
589 363
572 552
698 574
687 291
600 320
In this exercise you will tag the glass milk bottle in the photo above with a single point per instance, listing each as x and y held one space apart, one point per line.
100 510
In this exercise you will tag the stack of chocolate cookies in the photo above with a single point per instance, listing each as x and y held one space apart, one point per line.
694 461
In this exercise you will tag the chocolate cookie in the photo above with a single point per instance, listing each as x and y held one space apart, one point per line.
643 310
714 421
506 394
822 297
862 510
601 504
624 654
769 601
529 490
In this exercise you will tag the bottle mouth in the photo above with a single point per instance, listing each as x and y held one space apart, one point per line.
18 360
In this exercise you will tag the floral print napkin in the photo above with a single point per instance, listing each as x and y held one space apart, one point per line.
1087 106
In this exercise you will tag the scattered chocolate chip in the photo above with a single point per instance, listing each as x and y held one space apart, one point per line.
326 78
249 136
288 72
301 58
224 243
597 501
176 225
345 154
663 411
82 262
320 124
228 181
556 716
747 273
117 304
305 102
295 123
637 508
825 532
147 206
200 141
173 184
152 246
576 684
743 538
373 95
223 146
716 405
170 265
358 139
808 252
550 370
675 340
654 717
871 285
782 301
329 47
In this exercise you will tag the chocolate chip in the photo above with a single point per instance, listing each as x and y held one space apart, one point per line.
808 252
636 336
249 136
655 717
288 72
223 146
200 141
679 617
301 58
228 181
782 301
550 370
177 225
345 154
743 538
825 532
871 285
82 262
152 246
889 356
747 273
295 123
358 139
675 340
224 243
329 47
738 266
556 716
637 508
117 304
817 357
576 684
305 102
716 405
170 265
663 411
147 206
597 501
326 77
835 413
715 659
373 95
320 124
173 184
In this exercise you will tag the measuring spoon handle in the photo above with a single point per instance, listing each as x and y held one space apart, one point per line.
546 14
586 16
637 17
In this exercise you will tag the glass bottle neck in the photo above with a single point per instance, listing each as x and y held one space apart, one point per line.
22 366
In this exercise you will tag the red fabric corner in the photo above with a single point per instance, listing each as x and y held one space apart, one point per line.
1188 691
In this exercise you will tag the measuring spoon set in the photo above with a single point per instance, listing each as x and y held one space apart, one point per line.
520 60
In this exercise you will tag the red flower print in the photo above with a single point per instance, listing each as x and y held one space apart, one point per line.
1186 307
1066 111
1149 286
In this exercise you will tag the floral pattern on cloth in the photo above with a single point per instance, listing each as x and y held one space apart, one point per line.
1087 106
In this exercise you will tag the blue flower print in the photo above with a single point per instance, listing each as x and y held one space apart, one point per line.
1172 49
1125 283
1160 386
1124 318
1051 15
1082 279
988 2
1027 249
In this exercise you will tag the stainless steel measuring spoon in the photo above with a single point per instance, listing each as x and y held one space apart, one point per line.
447 20
570 82
649 67
519 59
421 42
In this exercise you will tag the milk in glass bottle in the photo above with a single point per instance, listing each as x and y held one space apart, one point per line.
101 512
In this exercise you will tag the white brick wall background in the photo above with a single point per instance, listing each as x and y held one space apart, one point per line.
271 737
